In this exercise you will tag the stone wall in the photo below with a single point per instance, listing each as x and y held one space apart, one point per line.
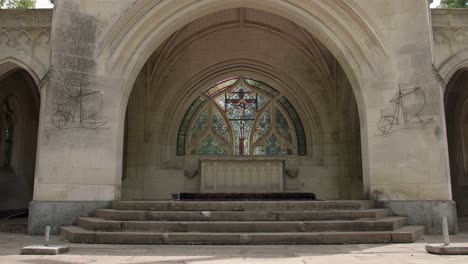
99 49
450 33
25 41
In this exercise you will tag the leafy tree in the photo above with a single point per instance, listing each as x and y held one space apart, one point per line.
453 4
17 4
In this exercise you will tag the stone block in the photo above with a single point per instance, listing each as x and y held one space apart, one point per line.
356 237
96 224
203 239
44 250
137 238
56 214
285 239
428 213
407 234
40 215
452 249
82 192
129 215
77 235
155 226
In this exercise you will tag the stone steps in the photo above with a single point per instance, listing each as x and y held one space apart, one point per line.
387 224
238 223
402 235
240 205
317 215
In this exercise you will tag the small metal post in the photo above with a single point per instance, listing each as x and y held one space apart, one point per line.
47 235
445 231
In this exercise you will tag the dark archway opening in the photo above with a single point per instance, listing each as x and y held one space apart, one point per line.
19 118
456 111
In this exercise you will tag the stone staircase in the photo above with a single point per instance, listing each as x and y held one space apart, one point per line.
241 223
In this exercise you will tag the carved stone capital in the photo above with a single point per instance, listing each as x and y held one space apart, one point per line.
190 173
292 172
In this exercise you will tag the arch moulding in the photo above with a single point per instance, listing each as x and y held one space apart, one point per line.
448 68
339 24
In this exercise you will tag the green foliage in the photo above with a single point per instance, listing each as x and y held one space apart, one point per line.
454 4
17 4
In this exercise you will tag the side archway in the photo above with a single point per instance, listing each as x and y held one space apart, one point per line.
19 118
456 112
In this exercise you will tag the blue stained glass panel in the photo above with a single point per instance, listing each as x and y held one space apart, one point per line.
220 126
200 125
273 146
210 146
261 102
282 126
263 126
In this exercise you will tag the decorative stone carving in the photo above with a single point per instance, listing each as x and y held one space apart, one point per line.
21 37
190 173
292 166
191 167
292 172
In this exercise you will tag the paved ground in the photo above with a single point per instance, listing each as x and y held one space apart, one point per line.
10 245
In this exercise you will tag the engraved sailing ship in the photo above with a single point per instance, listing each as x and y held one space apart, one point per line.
80 111
406 113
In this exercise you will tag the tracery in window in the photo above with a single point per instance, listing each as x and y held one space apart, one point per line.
240 117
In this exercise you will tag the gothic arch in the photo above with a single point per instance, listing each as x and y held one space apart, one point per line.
19 100
161 19
10 64
456 111
452 65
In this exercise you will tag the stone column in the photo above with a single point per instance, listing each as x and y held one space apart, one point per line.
79 161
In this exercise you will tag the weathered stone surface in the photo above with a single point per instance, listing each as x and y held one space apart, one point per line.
452 249
129 238
407 234
77 235
240 206
356 237
427 213
96 224
44 250
59 213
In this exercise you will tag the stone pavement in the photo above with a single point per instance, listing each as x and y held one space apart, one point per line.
414 253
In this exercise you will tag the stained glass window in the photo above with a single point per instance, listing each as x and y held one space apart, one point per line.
6 135
241 117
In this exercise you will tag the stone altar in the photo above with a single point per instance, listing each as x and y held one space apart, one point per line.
242 174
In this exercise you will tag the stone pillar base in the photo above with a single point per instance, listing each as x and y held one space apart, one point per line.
59 213
427 213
